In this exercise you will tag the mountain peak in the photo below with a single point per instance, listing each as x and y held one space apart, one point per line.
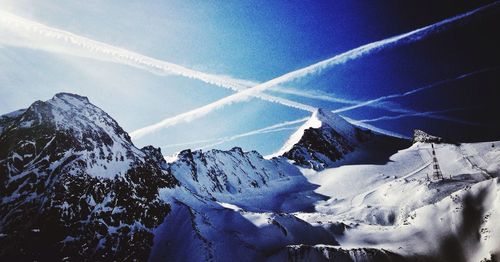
71 96
327 138
320 118
72 171
79 129
423 137
335 121
68 101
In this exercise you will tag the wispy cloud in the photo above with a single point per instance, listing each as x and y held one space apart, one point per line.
367 49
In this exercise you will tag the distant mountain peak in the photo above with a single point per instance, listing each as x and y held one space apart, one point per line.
335 121
325 138
71 97
423 137
319 118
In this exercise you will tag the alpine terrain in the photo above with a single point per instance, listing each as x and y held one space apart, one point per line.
74 187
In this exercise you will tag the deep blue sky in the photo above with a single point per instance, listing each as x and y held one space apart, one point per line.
260 40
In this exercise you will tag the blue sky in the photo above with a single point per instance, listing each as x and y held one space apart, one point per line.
258 41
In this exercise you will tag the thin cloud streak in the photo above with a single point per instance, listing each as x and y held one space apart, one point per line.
228 139
35 35
411 92
40 37
269 129
374 128
430 114
243 95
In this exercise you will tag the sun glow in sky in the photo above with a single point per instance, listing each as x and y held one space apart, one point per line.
148 62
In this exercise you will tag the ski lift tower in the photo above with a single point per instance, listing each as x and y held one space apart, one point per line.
437 174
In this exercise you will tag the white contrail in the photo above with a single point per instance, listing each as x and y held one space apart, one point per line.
89 48
374 128
411 92
431 114
317 67
72 44
272 128
228 139
102 51
191 143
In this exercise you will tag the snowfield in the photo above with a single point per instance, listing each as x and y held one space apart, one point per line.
400 207
238 206
341 193
366 212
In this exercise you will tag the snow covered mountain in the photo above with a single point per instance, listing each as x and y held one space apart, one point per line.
400 207
326 138
421 136
234 176
74 187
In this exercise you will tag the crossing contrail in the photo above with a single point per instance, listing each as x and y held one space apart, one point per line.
364 50
72 44
228 139
35 35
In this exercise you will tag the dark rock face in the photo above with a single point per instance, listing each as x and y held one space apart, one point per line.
327 138
319 147
72 185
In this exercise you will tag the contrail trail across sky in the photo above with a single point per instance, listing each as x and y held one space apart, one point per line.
30 34
370 48
411 92
216 141
59 41
430 114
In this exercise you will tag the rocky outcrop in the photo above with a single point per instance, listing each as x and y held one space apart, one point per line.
327 138
423 137
73 186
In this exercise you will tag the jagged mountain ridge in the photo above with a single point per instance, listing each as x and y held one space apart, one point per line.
68 194
73 185
231 176
69 171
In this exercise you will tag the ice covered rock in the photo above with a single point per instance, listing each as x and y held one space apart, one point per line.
327 138
423 137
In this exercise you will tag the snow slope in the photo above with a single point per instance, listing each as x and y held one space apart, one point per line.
378 204
244 179
73 186
328 140
236 205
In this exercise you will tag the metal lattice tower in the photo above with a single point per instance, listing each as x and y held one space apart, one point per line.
437 174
